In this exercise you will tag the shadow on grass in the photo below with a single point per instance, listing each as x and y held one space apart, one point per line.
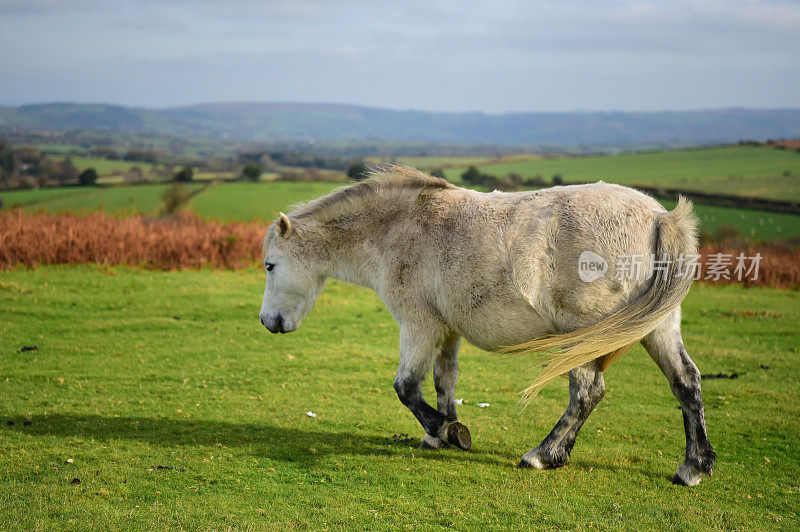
639 468
287 444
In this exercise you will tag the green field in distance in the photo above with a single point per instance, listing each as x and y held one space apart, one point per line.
263 201
754 171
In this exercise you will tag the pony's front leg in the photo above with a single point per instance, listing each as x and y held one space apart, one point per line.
445 376
419 347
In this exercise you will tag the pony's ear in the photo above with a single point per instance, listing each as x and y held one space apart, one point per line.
284 226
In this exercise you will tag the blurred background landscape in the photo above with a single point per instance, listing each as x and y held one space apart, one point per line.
245 162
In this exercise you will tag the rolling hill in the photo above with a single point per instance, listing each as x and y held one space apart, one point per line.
348 123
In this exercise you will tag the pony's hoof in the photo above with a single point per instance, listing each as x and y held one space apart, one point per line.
458 435
544 458
532 460
687 475
431 442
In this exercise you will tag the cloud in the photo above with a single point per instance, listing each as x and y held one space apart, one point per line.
493 56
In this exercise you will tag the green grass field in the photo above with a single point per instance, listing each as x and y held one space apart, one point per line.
754 225
429 162
226 201
36 198
255 201
120 200
105 167
157 400
741 170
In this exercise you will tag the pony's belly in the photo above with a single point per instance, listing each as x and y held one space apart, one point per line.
494 328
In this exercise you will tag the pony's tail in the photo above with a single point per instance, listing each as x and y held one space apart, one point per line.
611 337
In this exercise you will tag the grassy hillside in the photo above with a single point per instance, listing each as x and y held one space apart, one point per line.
742 170
255 201
429 162
37 198
157 400
122 200
756 225
227 201
105 167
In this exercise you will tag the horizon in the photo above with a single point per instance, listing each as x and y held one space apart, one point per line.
395 109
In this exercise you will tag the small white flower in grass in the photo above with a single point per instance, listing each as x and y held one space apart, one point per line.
459 401
482 405
70 460
311 414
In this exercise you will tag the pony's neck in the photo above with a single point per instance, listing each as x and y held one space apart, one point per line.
356 270
352 224
354 242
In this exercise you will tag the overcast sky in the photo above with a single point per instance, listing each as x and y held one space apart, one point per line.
496 56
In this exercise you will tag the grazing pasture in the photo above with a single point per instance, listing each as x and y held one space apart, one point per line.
743 170
752 224
226 201
121 200
255 201
151 399
107 167
429 162
39 198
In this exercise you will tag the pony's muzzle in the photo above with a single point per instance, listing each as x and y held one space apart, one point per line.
273 323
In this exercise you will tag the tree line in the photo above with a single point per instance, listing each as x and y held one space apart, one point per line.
25 166
475 177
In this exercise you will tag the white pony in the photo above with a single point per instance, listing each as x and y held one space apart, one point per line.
503 271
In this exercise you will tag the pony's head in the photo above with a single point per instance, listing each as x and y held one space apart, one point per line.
294 279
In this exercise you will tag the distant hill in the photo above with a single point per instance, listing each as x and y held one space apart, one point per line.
342 123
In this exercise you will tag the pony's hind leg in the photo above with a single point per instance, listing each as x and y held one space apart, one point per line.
666 348
586 389
418 349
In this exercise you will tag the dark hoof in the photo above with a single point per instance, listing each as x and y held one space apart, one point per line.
458 435
678 481
687 475
524 465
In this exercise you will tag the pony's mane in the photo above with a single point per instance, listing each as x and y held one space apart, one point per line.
382 182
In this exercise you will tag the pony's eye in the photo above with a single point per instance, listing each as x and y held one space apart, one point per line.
269 266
